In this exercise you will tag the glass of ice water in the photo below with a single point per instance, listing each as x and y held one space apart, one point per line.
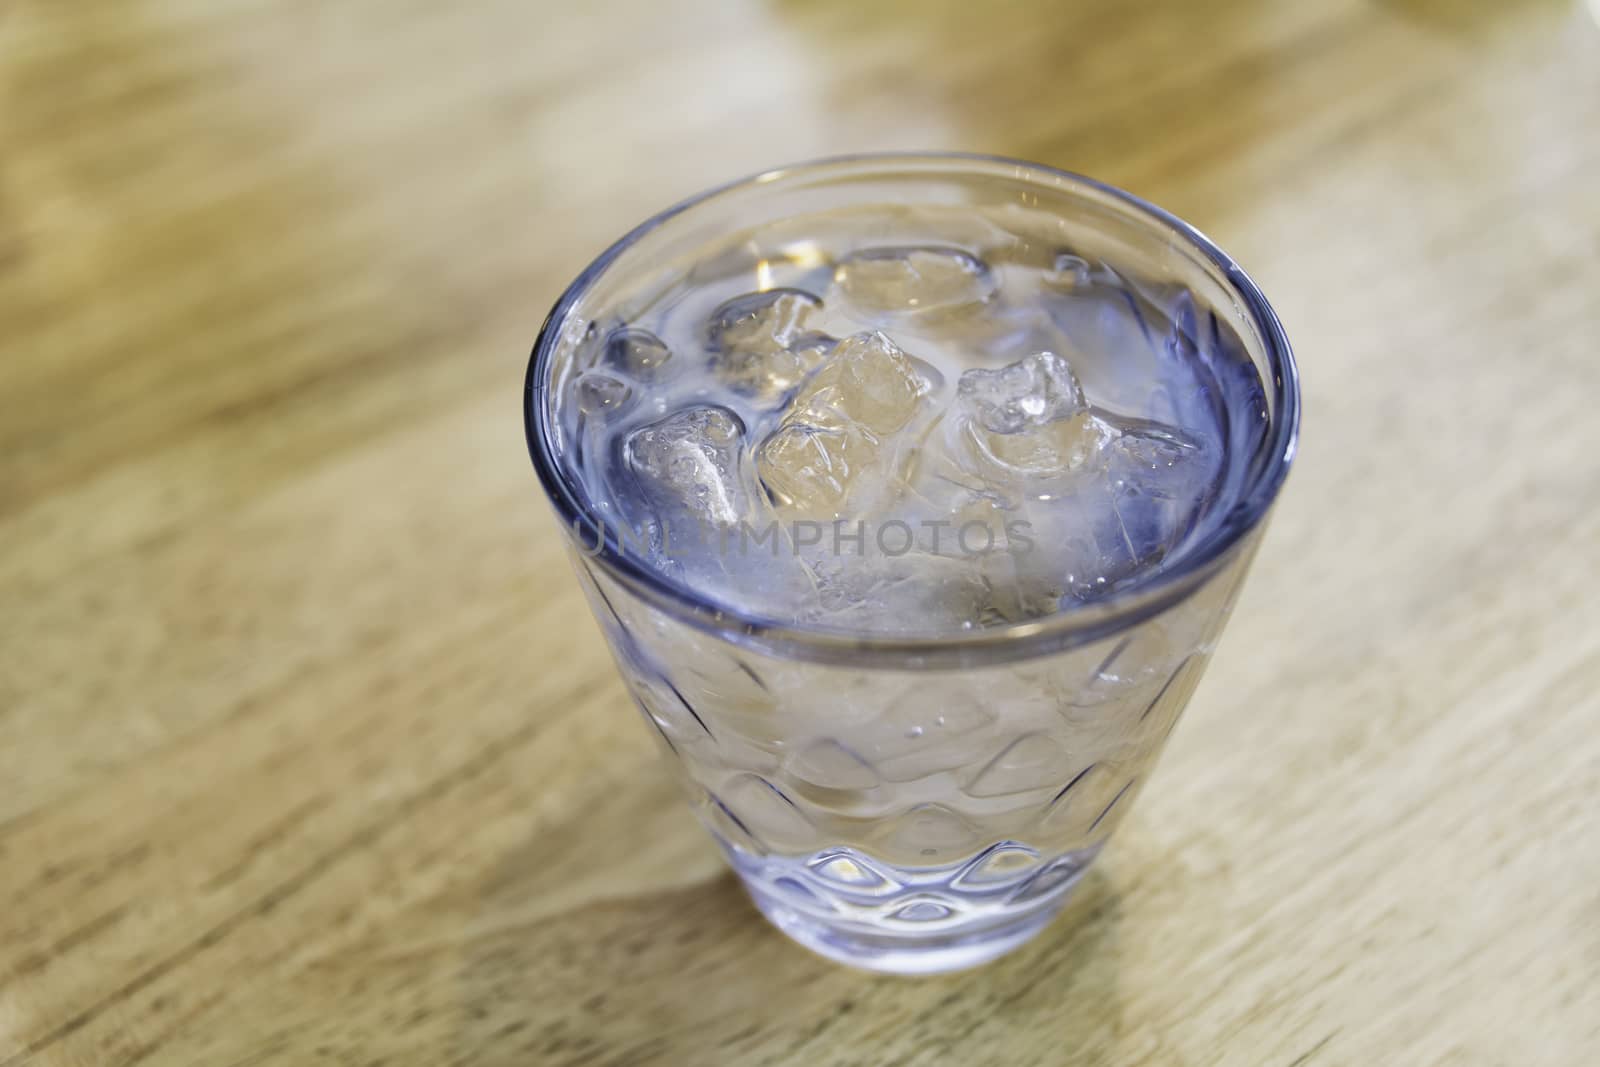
911 494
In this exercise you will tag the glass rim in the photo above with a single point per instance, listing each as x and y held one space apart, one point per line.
1075 626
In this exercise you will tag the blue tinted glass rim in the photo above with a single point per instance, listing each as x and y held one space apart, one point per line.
1068 628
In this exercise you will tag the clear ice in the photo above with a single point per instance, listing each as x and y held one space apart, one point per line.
917 437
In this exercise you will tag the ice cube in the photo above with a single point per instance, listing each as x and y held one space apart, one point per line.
602 394
1156 460
1117 517
1103 498
914 592
841 424
1155 481
1030 418
1059 555
688 466
1025 570
869 383
763 322
810 469
759 346
996 536
1030 392
914 279
635 352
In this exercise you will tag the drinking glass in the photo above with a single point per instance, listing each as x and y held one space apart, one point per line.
926 803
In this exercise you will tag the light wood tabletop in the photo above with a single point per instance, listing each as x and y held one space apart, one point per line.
310 752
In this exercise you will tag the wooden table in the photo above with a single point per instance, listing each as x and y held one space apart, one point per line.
310 754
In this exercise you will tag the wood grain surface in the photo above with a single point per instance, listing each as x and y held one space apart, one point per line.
309 752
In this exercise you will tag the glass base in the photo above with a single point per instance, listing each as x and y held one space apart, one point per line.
918 921
900 954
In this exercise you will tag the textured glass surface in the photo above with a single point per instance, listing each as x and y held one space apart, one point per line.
882 812
900 798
